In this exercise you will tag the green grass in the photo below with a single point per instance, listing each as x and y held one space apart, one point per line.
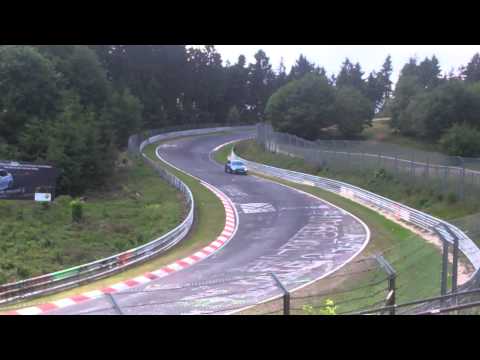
134 208
416 261
381 131
209 223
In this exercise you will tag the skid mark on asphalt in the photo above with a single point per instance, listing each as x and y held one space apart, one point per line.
233 191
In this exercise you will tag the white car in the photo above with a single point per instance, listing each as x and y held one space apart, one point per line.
6 180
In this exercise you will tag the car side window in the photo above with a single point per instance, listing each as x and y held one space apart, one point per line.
3 173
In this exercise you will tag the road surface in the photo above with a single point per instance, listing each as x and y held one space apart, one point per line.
280 230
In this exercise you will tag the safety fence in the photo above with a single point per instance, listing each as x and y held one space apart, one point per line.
445 174
401 212
79 275
361 284
365 286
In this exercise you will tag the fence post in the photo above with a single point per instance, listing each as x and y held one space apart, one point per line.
396 164
427 170
455 259
286 295
462 182
412 171
392 276
445 182
443 285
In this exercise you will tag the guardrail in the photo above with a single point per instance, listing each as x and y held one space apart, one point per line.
400 211
82 274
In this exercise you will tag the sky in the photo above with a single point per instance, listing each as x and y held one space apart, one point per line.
370 57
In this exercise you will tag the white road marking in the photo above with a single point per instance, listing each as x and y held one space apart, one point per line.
256 208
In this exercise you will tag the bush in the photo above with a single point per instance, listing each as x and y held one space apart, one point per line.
77 210
329 309
461 140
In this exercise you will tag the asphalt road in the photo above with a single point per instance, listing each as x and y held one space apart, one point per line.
295 236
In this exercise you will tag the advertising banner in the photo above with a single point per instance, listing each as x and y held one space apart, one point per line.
22 181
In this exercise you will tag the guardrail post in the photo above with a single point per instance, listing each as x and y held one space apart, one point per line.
286 295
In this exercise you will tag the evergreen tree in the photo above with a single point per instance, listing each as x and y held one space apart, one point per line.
472 71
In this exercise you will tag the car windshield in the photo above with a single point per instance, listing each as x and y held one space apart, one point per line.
3 173
237 163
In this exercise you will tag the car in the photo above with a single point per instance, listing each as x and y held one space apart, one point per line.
236 167
6 180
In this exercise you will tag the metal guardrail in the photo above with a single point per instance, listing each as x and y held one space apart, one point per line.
400 211
82 274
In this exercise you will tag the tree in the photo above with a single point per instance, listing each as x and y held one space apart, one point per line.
74 146
353 111
124 115
472 71
208 83
374 89
236 90
384 83
301 68
28 87
461 140
407 87
79 70
260 84
430 113
351 75
428 72
281 78
302 107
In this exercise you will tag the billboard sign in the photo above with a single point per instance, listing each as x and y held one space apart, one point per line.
22 181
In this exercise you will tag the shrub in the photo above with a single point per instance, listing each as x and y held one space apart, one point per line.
461 140
329 309
77 210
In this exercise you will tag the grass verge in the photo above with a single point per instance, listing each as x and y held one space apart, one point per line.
133 208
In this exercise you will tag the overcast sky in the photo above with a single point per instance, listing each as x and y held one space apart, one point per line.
371 57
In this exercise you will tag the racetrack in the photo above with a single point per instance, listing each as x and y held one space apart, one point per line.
292 234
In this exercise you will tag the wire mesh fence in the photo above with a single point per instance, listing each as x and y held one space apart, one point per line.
449 175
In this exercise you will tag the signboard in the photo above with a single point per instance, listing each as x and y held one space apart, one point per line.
22 181
43 197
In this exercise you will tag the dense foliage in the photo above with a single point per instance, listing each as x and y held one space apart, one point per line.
439 108
461 140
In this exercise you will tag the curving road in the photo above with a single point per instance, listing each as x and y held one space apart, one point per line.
296 236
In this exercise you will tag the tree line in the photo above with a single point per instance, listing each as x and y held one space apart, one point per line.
442 109
312 102
75 105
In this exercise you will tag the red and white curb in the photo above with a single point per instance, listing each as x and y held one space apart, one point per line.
226 235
